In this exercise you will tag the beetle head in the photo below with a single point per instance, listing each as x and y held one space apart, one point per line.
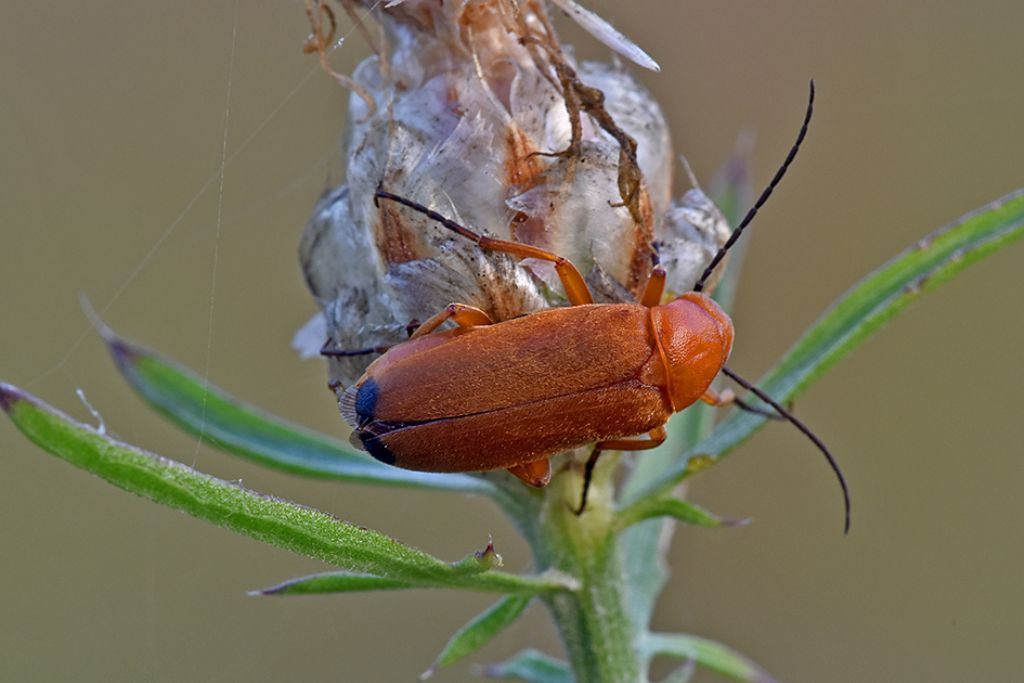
695 337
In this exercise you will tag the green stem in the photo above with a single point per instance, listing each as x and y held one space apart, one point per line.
594 623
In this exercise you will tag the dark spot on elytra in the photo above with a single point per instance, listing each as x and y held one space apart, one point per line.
376 448
366 400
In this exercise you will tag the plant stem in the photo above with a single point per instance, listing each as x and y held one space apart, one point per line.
594 623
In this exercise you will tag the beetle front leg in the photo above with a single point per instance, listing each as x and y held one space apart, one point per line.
719 400
656 437
461 314
727 397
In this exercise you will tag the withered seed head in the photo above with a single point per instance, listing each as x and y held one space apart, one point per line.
476 110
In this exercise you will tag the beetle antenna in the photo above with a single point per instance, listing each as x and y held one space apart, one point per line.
429 213
763 198
742 405
806 431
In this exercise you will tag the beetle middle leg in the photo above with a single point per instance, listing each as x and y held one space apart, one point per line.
656 437
461 314
576 289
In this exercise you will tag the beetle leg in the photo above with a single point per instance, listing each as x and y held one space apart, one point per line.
575 286
654 289
727 397
536 473
327 351
655 438
461 314
588 472
713 398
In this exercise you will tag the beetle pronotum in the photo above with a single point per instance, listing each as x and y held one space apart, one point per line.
510 395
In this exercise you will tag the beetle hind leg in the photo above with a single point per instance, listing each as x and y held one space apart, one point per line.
536 474
654 439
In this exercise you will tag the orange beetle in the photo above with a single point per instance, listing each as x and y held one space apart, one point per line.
510 395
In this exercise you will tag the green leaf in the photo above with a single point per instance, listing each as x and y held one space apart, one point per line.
321 583
334 582
858 313
667 506
682 674
706 653
479 631
241 429
278 522
533 666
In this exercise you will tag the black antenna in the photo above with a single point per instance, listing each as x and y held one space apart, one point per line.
429 213
762 199
807 432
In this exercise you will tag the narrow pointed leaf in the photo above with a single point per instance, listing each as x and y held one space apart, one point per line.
334 582
531 665
683 673
278 522
348 582
681 510
858 313
707 654
236 427
479 631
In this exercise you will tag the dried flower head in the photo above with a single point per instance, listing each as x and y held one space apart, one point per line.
477 111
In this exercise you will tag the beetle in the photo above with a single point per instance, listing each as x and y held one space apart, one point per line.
510 395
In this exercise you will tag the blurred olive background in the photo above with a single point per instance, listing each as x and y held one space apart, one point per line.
112 120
